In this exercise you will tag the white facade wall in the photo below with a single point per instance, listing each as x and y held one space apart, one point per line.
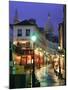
15 31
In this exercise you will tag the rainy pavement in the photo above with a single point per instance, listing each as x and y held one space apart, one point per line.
47 77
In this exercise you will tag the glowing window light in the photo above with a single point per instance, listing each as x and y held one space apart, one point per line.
41 54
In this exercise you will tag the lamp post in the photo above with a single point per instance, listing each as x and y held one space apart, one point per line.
60 52
59 61
33 38
46 64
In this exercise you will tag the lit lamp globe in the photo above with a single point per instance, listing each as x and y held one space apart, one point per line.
59 47
33 38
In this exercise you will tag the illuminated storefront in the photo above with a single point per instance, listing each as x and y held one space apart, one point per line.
26 54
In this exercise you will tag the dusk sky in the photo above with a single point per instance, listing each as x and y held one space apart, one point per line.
37 11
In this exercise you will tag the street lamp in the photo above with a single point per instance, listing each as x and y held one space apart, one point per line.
46 63
33 38
60 52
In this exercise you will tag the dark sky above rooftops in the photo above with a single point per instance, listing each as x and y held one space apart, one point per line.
37 11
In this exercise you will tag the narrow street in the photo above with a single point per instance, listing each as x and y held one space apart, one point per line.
47 77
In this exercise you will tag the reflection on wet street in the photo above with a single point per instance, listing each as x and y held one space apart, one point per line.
47 77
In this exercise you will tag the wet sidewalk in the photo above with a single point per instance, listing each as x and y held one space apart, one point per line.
47 77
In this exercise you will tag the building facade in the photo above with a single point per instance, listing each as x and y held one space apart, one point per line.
22 34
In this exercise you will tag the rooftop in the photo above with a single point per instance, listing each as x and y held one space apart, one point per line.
27 22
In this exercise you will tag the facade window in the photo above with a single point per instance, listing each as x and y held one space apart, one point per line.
23 45
19 32
28 45
27 32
